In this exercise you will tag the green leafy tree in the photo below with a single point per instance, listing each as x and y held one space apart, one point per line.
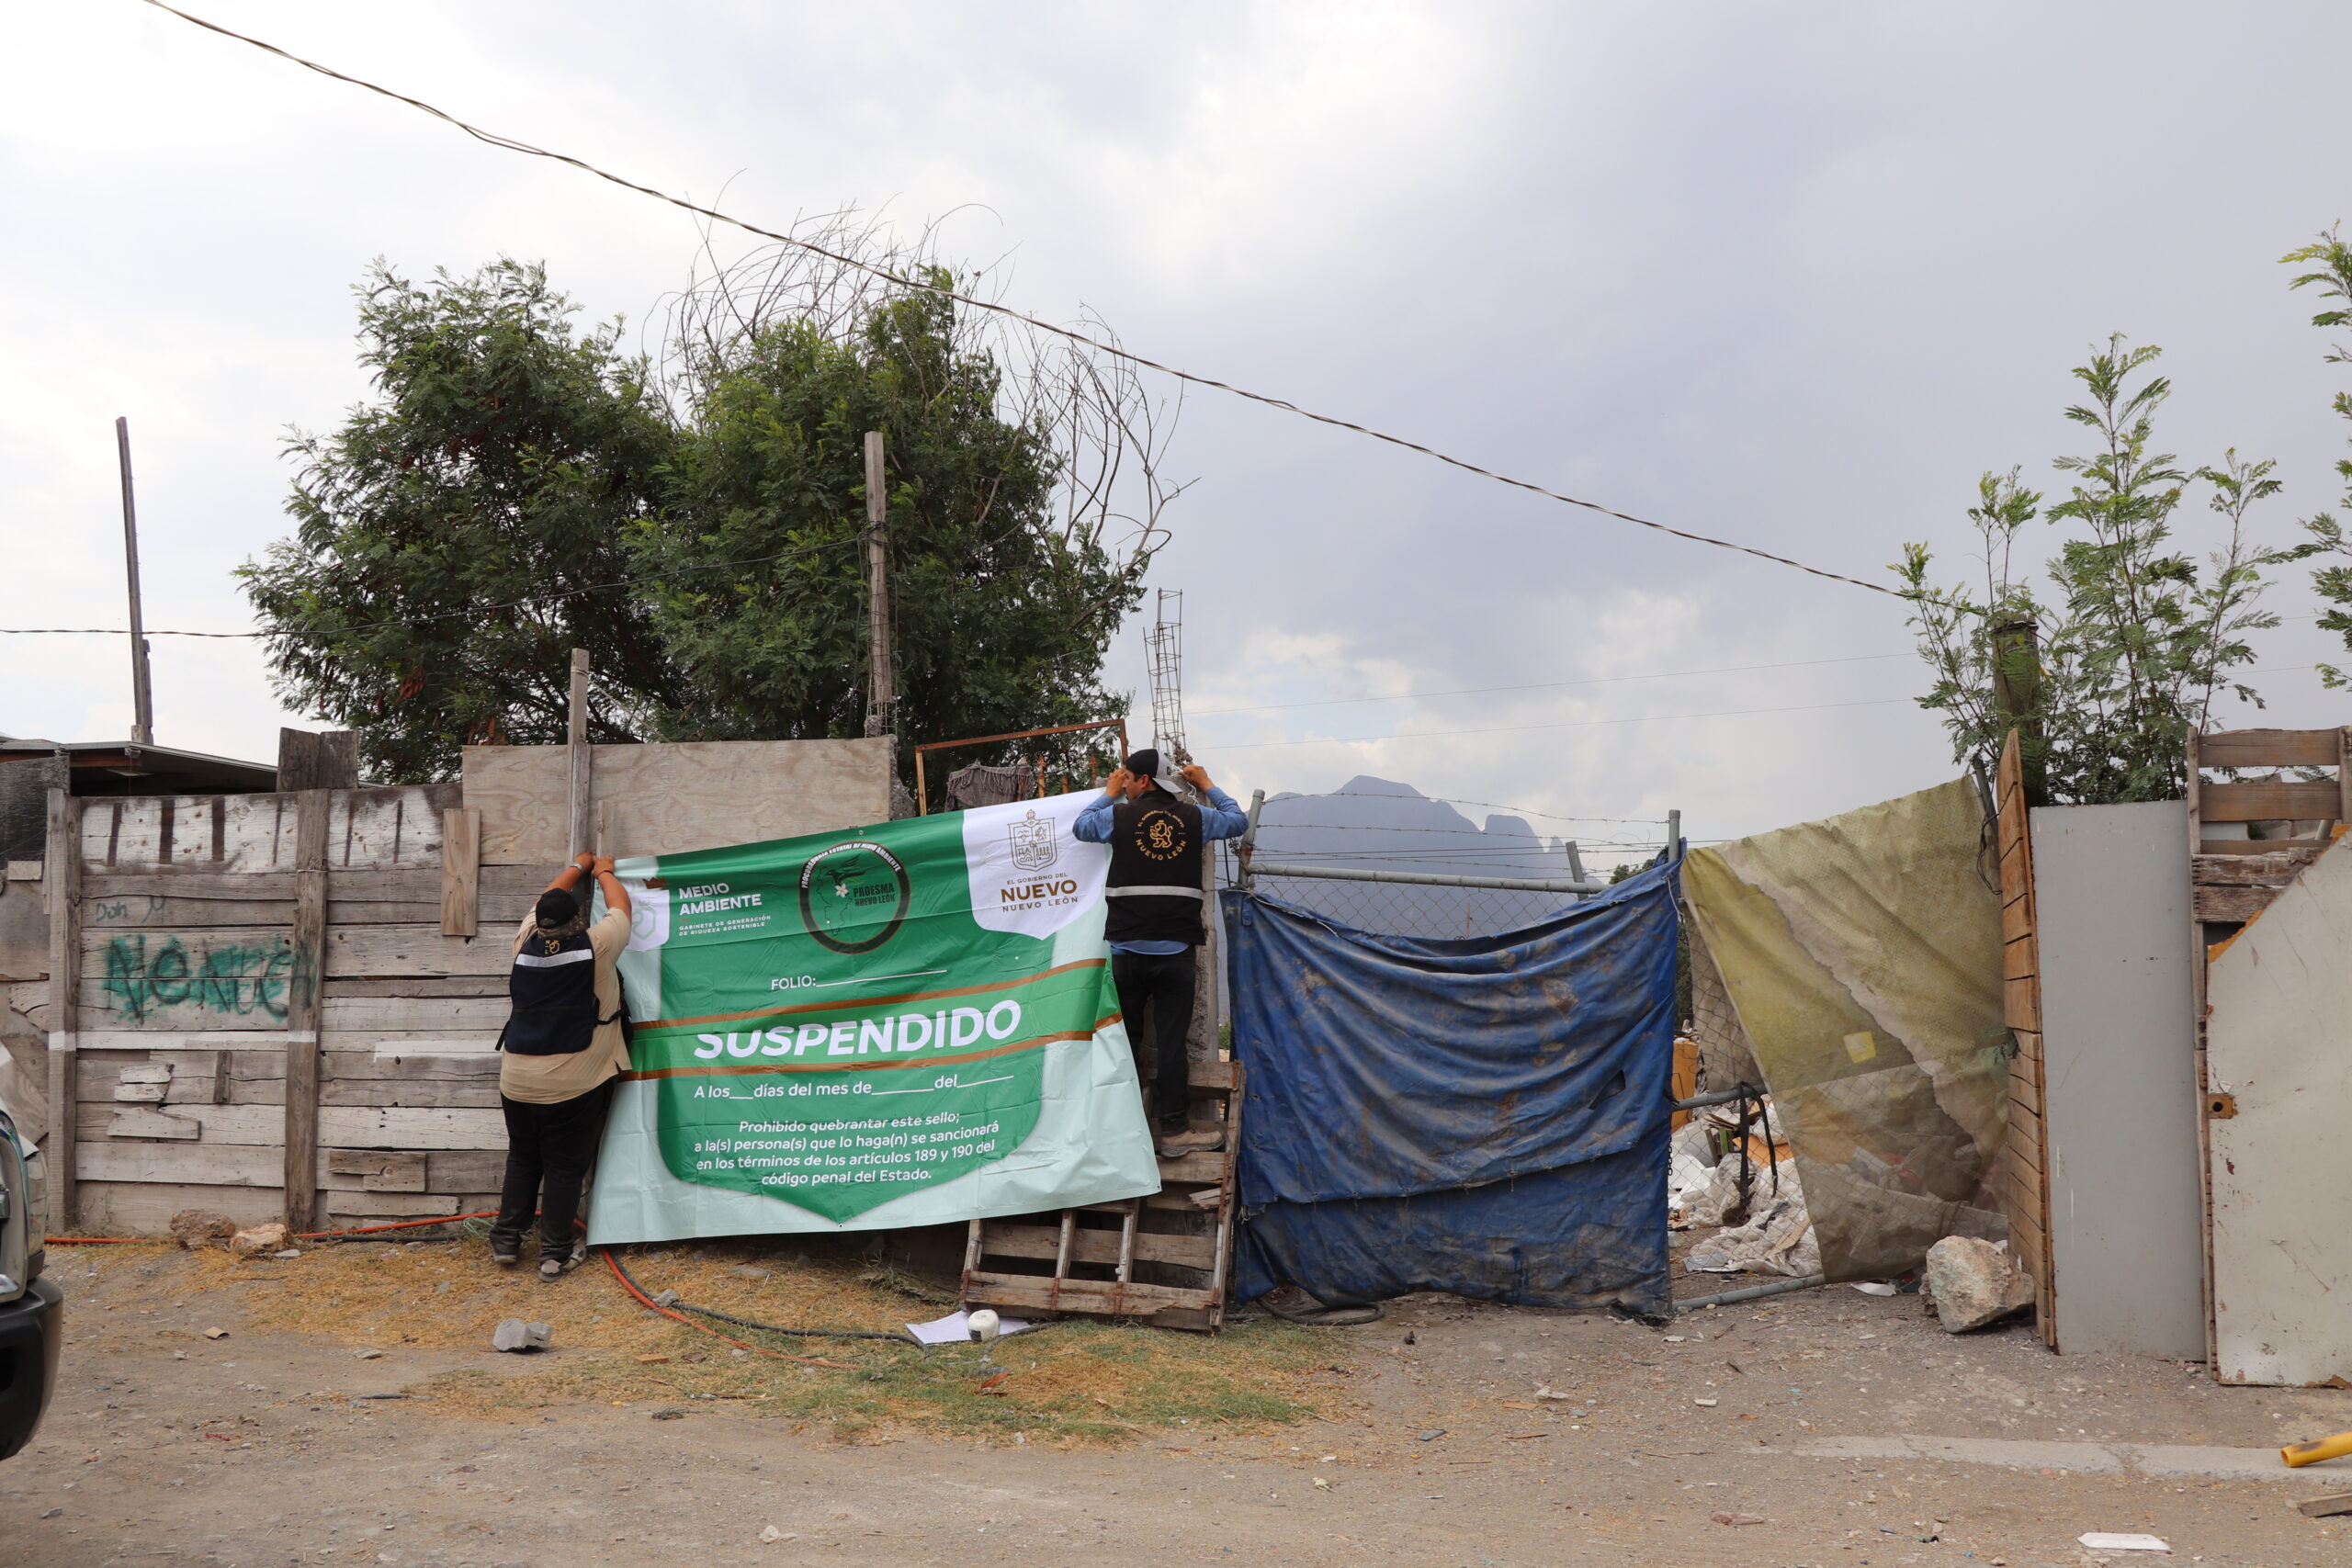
517 488
1000 610
466 528
2333 277
2128 655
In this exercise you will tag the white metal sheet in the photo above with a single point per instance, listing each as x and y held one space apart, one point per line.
2119 1051
2278 1044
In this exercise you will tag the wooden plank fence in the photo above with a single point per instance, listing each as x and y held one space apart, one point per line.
288 1004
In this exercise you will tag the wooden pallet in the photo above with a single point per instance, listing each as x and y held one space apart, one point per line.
1087 1259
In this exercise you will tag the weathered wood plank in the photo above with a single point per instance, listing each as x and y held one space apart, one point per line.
227 978
2021 1004
2273 870
423 888
379 1170
1080 1295
461 872
2268 802
1001 1240
134 1121
389 950
2019 958
364 1208
464 1171
145 1208
500 913
366 830
236 886
63 875
347 1015
2267 748
153 910
2253 846
412 1128
2224 904
299 1126
419 986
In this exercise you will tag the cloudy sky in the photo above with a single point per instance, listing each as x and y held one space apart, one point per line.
1792 275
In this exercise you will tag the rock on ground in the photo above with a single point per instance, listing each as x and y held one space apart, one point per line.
1974 1283
259 1239
514 1334
195 1227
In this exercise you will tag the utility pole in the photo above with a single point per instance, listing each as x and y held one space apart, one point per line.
143 701
881 696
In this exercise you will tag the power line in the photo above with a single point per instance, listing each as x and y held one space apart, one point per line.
508 143
472 611
1568 724
1548 685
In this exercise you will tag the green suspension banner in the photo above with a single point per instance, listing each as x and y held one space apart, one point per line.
905 1024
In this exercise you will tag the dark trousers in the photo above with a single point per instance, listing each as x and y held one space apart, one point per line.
1160 988
548 1151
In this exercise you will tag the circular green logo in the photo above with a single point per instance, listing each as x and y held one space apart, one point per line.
854 895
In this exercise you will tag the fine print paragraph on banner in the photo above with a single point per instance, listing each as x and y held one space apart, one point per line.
906 1024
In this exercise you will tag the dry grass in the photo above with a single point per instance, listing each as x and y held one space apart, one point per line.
1075 1383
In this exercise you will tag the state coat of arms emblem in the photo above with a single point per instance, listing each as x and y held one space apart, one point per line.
1033 842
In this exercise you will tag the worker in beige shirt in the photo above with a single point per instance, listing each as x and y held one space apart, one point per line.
562 1047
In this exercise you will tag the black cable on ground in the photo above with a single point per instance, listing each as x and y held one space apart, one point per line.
1323 1317
622 1271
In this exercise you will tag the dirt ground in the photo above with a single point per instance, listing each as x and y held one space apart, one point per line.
1849 1425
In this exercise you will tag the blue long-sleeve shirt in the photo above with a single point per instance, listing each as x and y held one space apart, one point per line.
1220 819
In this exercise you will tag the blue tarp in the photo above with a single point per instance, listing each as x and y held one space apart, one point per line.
1486 1116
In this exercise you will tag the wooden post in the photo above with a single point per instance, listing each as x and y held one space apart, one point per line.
583 837
461 873
2017 692
302 1011
326 760
881 696
61 880
142 700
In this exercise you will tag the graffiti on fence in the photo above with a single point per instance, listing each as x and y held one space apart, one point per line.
231 980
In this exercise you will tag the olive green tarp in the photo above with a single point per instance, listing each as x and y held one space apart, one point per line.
1863 954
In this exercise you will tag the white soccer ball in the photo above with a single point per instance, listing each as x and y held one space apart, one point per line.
984 1325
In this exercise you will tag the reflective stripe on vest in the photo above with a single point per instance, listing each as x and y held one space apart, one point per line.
1153 893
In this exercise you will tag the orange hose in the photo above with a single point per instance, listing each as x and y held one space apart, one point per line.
690 1323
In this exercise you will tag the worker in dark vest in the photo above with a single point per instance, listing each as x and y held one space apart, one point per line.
562 1047
1157 908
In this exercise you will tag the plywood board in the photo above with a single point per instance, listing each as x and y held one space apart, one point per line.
2278 1042
2119 1078
665 799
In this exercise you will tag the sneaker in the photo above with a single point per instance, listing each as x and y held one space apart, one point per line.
1192 1140
505 1250
555 1268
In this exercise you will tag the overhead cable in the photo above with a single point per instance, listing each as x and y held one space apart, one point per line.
470 612
509 144
1565 723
